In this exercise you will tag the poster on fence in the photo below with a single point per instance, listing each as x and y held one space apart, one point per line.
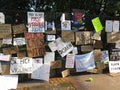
7 41
49 57
35 44
70 59
19 41
18 29
35 22
109 26
114 66
20 66
66 25
4 57
56 64
104 56
42 73
84 62
5 31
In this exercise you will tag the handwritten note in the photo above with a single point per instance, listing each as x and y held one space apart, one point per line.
114 66
19 41
109 26
7 41
97 24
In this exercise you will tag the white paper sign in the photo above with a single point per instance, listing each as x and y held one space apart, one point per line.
4 57
66 25
19 41
75 50
8 82
7 41
67 48
19 66
42 73
116 26
84 62
108 25
49 57
50 37
36 22
70 59
2 18
104 56
0 68
114 66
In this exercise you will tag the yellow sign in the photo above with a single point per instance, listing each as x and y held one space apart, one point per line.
97 24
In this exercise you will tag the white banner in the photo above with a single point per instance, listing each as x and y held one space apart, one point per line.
19 41
114 66
70 59
36 22
19 66
84 62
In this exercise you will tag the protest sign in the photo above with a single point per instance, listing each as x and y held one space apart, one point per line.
50 37
84 62
66 25
35 44
98 44
96 36
20 66
70 59
5 31
49 57
83 37
114 66
49 25
7 41
75 50
97 24
116 25
56 64
104 56
18 29
4 57
19 41
2 18
42 73
68 36
86 48
8 82
108 25
113 37
115 55
35 22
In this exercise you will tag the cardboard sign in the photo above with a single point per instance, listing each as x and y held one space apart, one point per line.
70 59
65 73
98 44
84 62
115 55
66 25
96 36
113 37
68 36
35 44
97 24
86 48
83 37
114 66
19 66
19 41
7 41
35 22
56 64
2 18
10 50
5 31
18 29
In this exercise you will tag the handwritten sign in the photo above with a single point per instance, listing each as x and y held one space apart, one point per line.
5 31
2 17
49 57
104 56
50 37
83 37
19 41
35 22
56 64
97 24
19 66
4 57
70 59
18 29
7 41
35 44
84 62
116 25
114 66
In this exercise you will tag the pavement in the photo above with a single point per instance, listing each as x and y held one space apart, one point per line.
75 82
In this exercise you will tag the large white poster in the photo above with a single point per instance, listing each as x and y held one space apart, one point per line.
114 66
19 66
35 22
84 62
